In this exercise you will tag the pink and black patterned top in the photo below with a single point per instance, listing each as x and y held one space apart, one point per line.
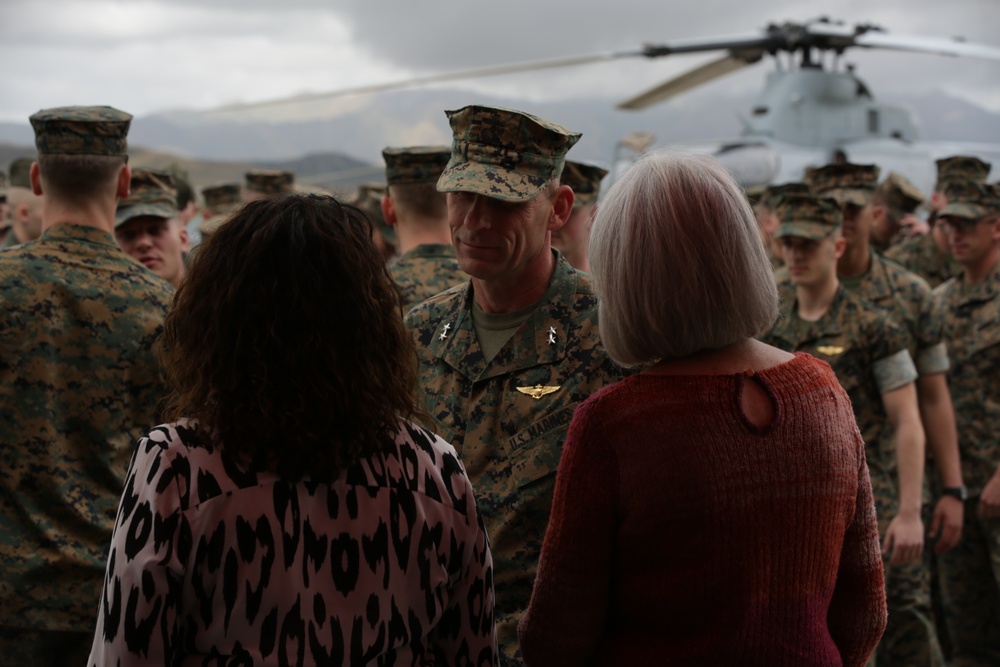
210 564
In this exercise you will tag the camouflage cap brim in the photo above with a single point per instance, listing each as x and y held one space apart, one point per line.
963 210
491 181
814 231
846 196
127 213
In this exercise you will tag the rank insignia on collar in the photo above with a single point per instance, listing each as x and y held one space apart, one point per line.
444 331
537 391
830 350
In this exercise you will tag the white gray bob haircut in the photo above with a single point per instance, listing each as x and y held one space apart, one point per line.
677 262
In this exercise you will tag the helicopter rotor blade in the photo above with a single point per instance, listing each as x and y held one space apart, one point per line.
691 79
944 47
435 78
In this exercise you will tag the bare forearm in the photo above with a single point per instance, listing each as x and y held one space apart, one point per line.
938 416
910 465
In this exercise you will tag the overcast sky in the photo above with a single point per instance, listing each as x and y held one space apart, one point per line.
146 56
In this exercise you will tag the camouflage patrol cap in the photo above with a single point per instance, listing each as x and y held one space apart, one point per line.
81 131
270 181
847 183
222 197
503 153
415 164
899 193
808 216
970 200
585 180
20 173
773 194
960 168
153 194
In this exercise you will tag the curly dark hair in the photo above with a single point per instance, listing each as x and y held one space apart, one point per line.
286 346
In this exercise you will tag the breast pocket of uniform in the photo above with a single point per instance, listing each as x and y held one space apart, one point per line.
534 452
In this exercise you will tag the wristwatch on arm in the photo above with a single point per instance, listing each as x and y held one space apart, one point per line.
959 492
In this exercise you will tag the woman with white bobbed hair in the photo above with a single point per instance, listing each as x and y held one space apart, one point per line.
714 508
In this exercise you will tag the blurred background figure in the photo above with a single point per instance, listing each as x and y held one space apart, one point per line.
368 198
25 207
418 213
220 200
970 573
265 183
148 226
571 239
896 202
292 514
4 217
928 256
716 507
187 202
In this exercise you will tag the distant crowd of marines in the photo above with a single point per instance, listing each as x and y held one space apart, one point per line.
487 242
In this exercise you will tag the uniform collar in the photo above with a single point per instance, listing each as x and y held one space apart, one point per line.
79 233
542 339
987 290
875 281
826 326
432 250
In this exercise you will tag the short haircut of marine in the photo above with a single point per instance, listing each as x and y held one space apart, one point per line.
411 176
677 261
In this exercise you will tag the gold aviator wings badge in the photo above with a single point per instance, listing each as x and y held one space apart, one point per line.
537 391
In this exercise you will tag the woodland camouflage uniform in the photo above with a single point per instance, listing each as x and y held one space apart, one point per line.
869 351
970 573
78 385
430 268
508 416
910 639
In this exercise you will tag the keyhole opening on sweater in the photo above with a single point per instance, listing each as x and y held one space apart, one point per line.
756 401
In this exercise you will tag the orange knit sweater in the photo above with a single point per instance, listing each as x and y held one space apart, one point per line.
681 534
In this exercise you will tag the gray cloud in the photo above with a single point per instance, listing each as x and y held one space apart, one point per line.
155 55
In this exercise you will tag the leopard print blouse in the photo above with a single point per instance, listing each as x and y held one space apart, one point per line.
212 565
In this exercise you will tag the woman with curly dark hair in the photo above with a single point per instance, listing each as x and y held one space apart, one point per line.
292 514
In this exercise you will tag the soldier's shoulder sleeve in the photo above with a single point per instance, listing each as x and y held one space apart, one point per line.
431 311
889 344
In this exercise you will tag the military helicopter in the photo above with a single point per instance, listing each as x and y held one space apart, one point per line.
813 110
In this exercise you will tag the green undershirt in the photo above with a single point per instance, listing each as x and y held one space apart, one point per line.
494 329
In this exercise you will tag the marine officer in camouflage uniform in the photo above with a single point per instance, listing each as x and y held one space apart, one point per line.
506 357
910 638
418 213
870 354
970 573
928 255
264 183
572 238
147 226
78 385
